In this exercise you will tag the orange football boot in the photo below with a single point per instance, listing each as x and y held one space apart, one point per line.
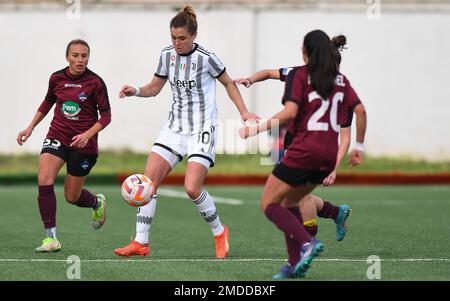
134 248
222 245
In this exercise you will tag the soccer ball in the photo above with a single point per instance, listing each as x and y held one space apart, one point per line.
137 190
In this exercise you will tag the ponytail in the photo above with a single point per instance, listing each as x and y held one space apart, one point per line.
185 17
338 44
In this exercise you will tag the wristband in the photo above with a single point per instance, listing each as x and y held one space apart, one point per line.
138 91
359 146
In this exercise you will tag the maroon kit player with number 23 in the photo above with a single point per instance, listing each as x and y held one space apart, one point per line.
79 96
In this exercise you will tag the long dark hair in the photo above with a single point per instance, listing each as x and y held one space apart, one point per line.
323 61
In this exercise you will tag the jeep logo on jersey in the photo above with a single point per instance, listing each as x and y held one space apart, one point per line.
70 108
189 84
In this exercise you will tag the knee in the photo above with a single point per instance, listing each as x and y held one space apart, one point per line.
263 206
71 197
192 191
45 179
307 198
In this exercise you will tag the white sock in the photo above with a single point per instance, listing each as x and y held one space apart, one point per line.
144 218
206 207
50 232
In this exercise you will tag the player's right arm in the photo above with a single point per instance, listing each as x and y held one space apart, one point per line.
258 76
278 120
23 135
149 90
44 108
344 145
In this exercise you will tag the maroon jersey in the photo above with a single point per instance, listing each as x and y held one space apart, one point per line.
316 126
284 72
78 100
348 111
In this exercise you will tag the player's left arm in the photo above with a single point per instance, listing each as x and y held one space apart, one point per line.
81 140
236 97
258 76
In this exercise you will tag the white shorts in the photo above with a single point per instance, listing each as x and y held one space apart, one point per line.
199 147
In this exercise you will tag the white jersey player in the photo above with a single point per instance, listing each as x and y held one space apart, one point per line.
190 129
192 79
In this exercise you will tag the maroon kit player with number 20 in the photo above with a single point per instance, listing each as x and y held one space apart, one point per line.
316 101
78 95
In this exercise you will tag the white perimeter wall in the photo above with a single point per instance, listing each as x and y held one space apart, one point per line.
398 64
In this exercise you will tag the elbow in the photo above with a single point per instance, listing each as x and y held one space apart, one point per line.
153 92
286 119
104 123
289 112
360 110
291 115
229 86
105 119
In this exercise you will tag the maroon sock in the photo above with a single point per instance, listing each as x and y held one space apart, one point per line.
47 205
312 230
328 210
293 248
87 199
287 222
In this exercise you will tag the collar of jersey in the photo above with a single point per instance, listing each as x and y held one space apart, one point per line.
190 52
70 76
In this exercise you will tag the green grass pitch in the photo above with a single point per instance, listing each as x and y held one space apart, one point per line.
406 226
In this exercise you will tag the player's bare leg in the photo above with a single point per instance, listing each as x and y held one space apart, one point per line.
308 211
75 194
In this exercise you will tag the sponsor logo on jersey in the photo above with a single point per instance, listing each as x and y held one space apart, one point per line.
82 96
70 109
72 86
188 84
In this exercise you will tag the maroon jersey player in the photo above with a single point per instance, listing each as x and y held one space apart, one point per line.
315 99
312 205
79 96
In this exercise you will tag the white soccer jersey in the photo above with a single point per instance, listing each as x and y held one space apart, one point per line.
192 79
